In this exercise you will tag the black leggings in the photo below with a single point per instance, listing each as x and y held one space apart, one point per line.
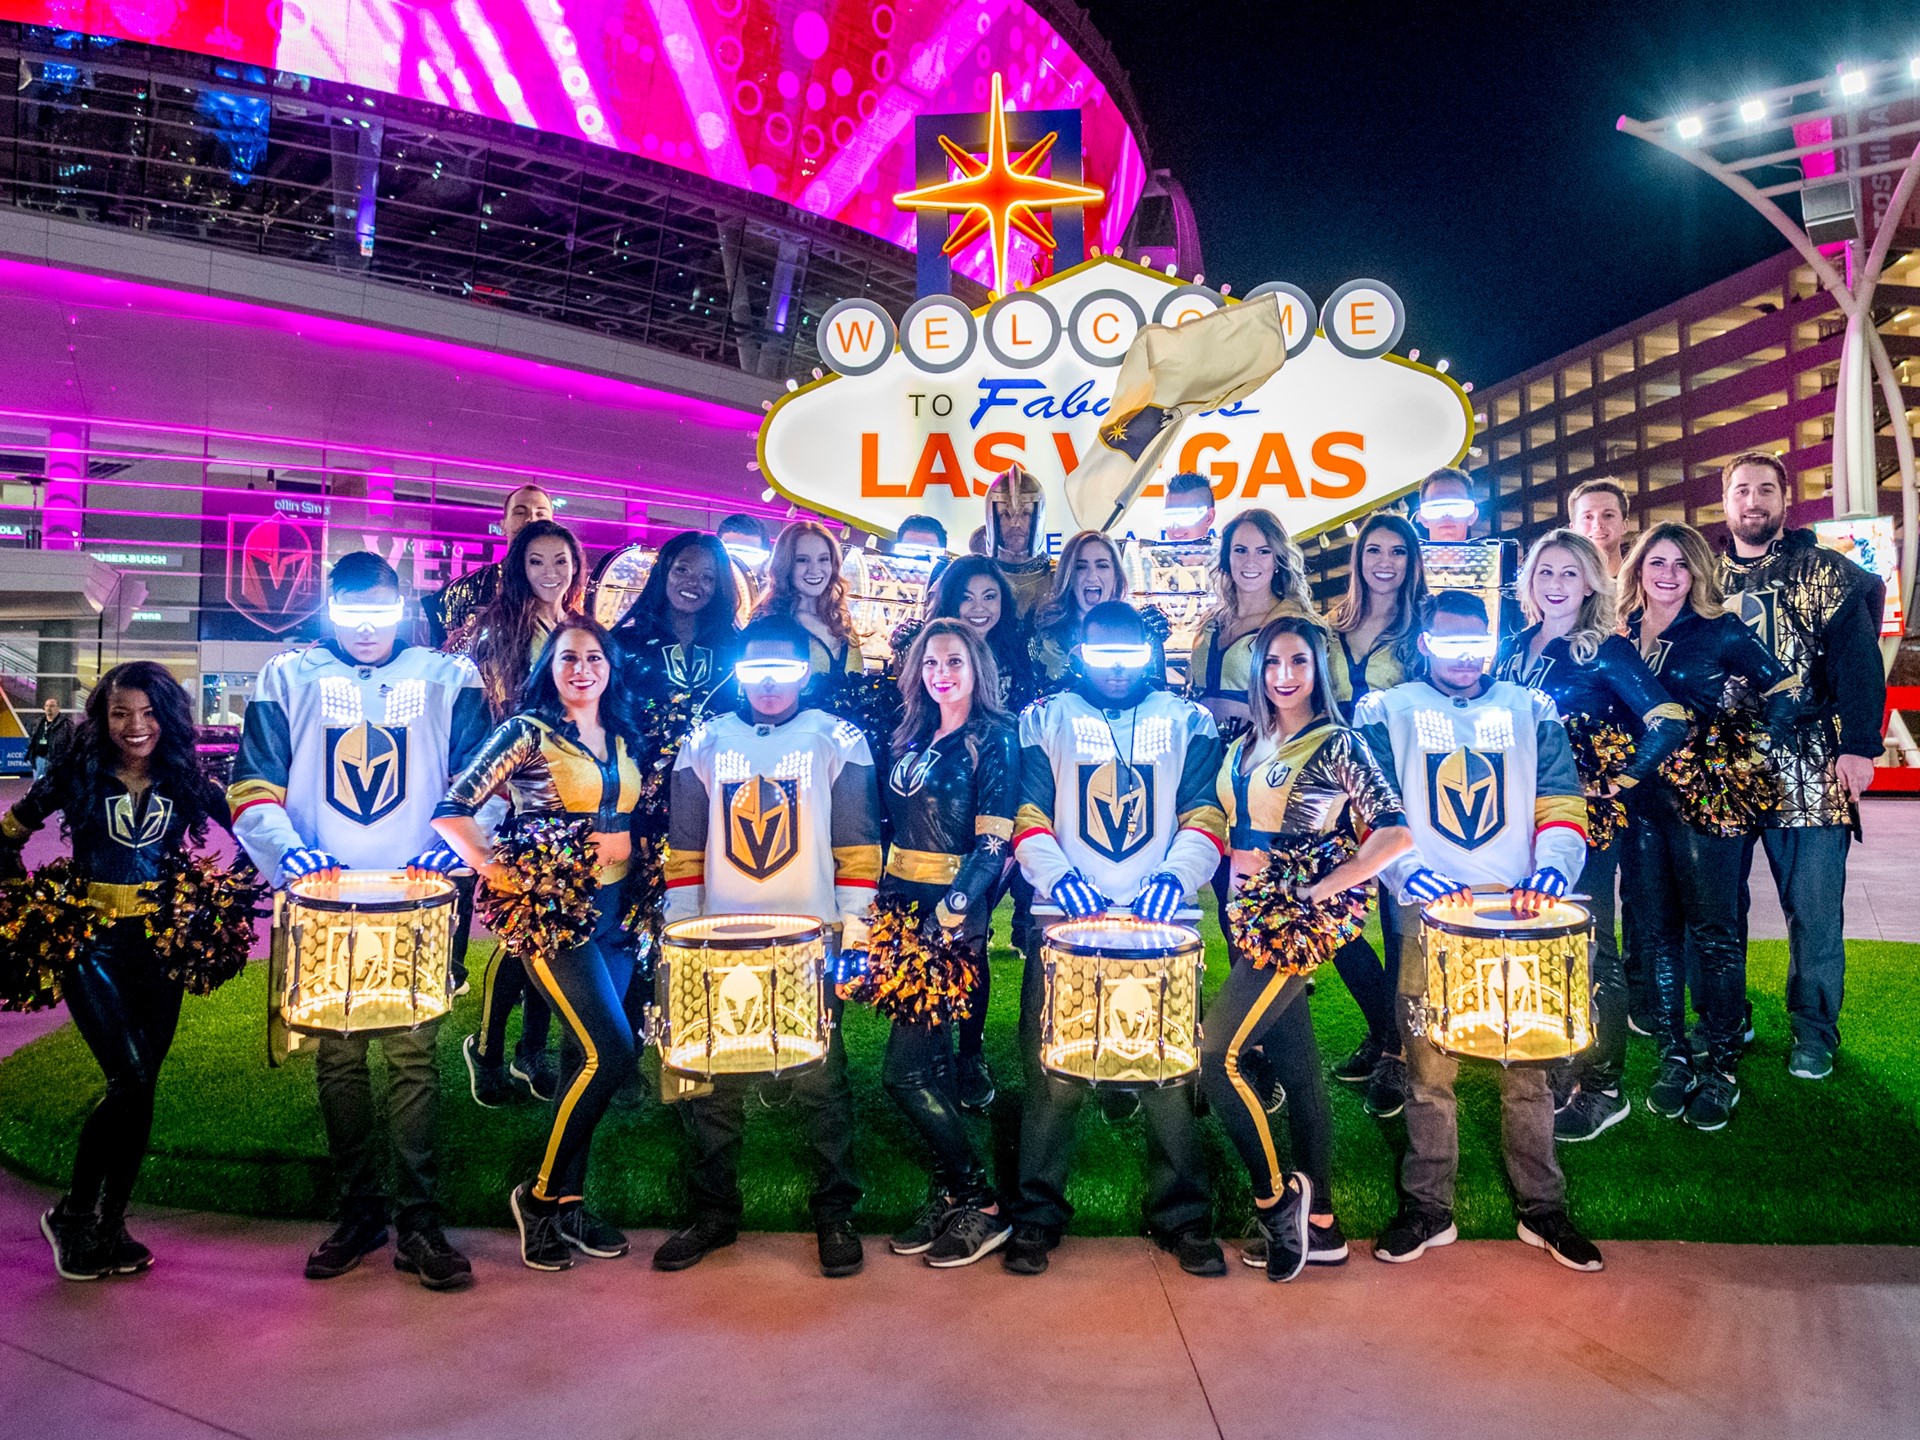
1374 984
507 985
918 1072
126 1011
586 985
1266 1009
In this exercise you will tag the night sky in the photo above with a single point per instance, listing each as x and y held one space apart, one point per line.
1465 152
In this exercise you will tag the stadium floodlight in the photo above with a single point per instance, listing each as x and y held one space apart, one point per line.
1690 127
1853 82
1753 111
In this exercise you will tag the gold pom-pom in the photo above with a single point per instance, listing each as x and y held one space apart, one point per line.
201 925
46 924
545 907
914 971
1602 753
1276 927
1721 775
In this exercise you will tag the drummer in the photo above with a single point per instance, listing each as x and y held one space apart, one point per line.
1117 809
563 754
774 812
345 751
1493 799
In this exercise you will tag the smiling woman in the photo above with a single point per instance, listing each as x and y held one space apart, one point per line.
543 580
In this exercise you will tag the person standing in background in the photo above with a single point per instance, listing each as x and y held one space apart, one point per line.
1597 509
48 738
1016 536
460 599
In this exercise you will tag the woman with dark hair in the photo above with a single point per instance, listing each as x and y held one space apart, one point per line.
804 581
565 753
1375 645
975 589
1296 772
951 796
131 796
681 634
542 582
1681 882
1090 572
1258 574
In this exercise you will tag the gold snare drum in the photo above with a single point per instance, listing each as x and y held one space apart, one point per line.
367 953
742 995
1121 1006
1500 986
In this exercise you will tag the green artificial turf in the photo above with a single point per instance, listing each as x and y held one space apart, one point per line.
1800 1162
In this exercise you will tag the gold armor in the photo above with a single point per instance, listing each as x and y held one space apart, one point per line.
1015 491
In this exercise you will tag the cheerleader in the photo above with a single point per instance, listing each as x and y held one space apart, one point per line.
543 580
561 755
1375 646
1682 882
681 635
1296 772
1595 678
1090 573
1258 575
132 797
951 797
804 582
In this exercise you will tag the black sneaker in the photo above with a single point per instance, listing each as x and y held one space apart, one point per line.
1641 1025
1713 1100
976 1083
1589 1113
352 1240
125 1254
970 1235
1413 1232
1274 1098
1746 1025
589 1234
1357 1068
1673 1086
1285 1227
1326 1244
688 1247
1562 1085
1118 1106
424 1251
841 1253
78 1251
1027 1250
490 1085
539 1073
925 1227
1553 1232
1810 1060
1198 1252
541 1245
1387 1088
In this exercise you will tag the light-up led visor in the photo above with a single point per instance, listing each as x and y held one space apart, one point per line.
747 553
776 671
1452 507
1123 657
1180 516
366 617
1462 647
915 550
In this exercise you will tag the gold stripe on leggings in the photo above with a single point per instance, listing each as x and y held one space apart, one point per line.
1232 1061
574 1091
486 1005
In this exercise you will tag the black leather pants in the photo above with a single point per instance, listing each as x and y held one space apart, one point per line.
918 1071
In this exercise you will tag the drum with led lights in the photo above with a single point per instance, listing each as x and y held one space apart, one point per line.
742 995
366 953
1512 988
1121 1005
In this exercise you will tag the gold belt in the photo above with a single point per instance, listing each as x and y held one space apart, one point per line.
120 902
922 867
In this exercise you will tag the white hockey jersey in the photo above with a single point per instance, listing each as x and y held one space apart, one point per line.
773 819
352 759
1489 784
1118 793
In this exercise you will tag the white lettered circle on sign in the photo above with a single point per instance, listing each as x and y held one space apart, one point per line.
1189 302
1298 316
1364 318
1022 330
1103 325
856 337
938 334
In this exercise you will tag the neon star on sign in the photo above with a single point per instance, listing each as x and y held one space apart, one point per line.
999 194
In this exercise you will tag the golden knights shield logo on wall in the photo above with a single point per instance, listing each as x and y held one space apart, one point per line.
1467 795
1116 808
273 570
763 825
366 771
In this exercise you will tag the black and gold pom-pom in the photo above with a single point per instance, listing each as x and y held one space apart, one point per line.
546 908
46 924
201 925
914 971
1602 753
1276 927
871 701
1721 775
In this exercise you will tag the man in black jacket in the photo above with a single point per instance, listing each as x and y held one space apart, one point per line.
460 599
49 738
1820 615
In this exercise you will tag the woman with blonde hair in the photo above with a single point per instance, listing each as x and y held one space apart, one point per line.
1258 575
1596 678
1682 882
1089 573
804 582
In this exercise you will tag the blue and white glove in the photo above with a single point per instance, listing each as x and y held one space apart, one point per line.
848 966
1078 899
1533 894
296 863
1160 897
1429 887
440 860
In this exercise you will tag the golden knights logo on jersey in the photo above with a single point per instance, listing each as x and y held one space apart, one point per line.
367 771
1759 611
1116 808
1467 795
688 667
763 825
148 829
